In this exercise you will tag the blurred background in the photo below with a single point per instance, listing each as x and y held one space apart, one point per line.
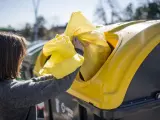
43 19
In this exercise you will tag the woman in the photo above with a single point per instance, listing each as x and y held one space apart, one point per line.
18 98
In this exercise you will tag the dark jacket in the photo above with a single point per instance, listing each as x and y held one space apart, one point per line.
18 98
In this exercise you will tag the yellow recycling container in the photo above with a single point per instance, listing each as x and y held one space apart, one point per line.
131 42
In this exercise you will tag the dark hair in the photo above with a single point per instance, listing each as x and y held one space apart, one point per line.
12 51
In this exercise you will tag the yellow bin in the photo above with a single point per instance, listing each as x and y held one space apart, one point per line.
107 89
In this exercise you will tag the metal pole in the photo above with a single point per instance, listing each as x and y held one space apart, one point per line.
36 6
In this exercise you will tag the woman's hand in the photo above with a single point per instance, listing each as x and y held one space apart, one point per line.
77 44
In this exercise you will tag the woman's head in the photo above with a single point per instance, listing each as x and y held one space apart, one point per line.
12 51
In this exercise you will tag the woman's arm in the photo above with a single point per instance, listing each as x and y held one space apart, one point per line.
29 93
42 78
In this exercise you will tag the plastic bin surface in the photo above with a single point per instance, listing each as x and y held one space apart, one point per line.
107 89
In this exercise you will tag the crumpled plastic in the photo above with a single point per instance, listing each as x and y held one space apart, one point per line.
95 54
65 60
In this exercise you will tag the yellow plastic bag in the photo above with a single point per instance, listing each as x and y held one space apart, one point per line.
98 50
64 59
95 54
61 44
77 25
